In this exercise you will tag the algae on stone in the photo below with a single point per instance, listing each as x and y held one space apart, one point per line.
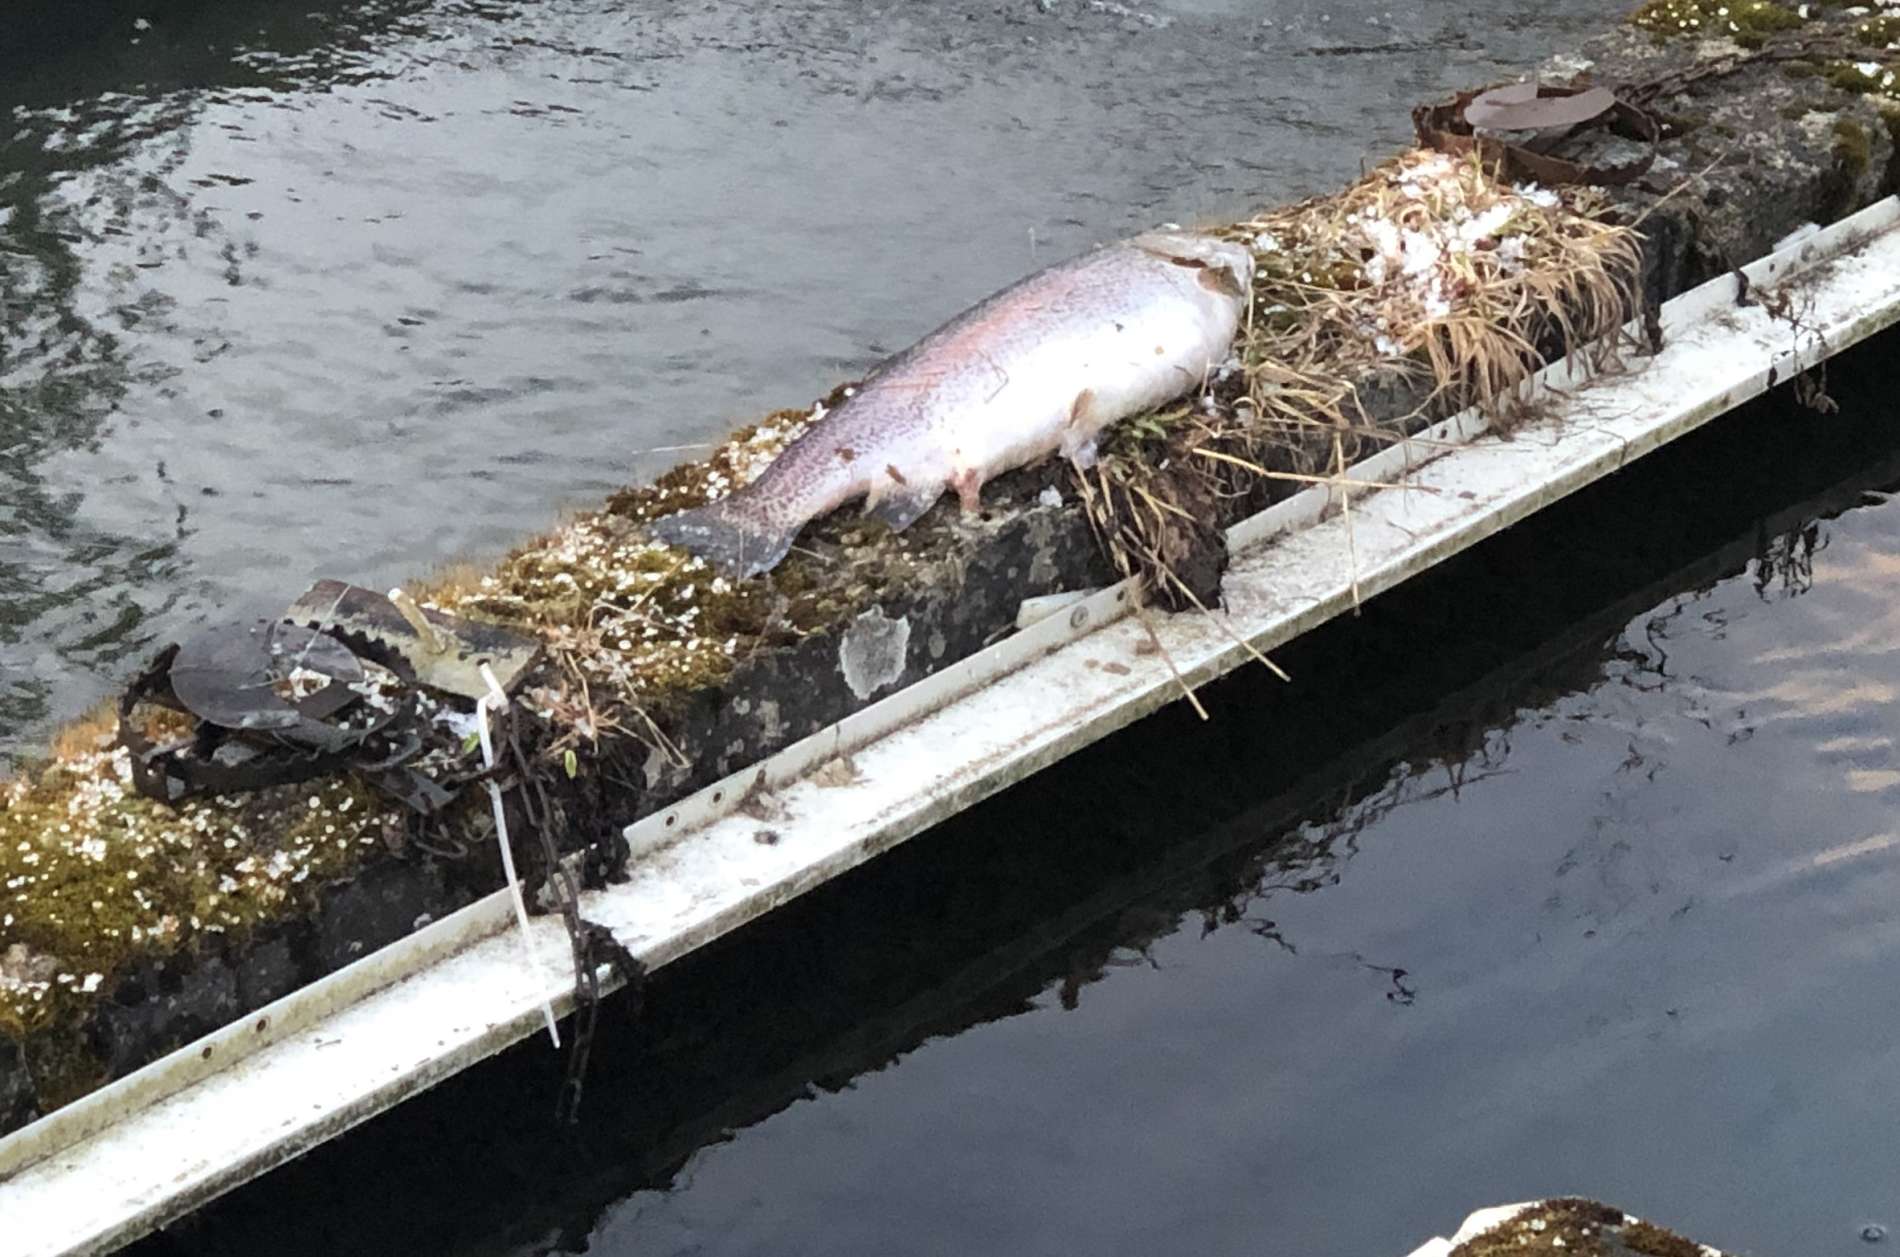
1881 31
1747 22
94 876
1852 146
637 627
1574 1227
1865 78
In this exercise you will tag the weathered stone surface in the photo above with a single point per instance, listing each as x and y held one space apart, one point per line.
959 602
170 1006
383 903
18 1103
1756 153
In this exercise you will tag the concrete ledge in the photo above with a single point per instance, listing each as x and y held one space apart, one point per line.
1753 154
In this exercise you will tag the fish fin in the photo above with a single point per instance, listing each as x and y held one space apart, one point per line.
1168 248
1221 280
1079 408
903 506
1218 273
969 487
725 536
1084 426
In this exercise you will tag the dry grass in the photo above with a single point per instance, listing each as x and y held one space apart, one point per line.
1426 270
1428 274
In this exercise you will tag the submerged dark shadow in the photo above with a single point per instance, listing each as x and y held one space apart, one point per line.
1172 824
58 52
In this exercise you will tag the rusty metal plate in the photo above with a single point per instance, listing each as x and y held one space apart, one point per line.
450 664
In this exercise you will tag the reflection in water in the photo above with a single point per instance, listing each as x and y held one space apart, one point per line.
98 212
64 591
1504 908
355 289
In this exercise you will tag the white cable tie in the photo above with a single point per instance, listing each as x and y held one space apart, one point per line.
494 687
495 700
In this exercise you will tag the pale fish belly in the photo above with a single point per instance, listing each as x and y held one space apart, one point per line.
1040 368
1064 390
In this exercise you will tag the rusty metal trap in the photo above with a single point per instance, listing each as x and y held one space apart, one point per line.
1550 134
347 680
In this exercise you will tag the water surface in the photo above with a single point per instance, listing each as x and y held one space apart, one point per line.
293 291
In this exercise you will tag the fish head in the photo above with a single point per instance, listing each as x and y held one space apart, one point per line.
1232 262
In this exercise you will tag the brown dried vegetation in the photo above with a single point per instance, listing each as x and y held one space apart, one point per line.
1429 277
96 877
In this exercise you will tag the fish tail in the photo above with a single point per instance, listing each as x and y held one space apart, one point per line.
728 536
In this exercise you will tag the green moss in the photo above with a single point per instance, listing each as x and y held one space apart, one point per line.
1653 1241
1865 78
1852 149
1573 1227
1879 32
94 878
1748 22
648 626
1317 268
639 617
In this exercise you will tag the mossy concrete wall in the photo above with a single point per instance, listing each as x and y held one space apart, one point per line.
1750 155
948 598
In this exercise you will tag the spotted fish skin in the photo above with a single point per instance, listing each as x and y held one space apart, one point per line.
1039 368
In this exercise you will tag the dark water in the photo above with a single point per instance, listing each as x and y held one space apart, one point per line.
1568 868
302 289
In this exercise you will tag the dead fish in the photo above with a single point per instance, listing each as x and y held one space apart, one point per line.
1039 368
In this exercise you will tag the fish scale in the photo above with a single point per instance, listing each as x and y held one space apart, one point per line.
1036 369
